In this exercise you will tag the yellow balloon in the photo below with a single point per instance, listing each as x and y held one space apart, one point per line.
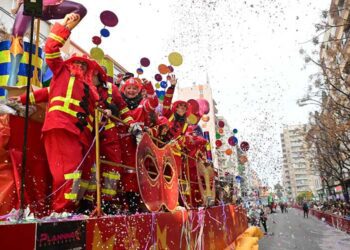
175 59
157 85
97 53
192 119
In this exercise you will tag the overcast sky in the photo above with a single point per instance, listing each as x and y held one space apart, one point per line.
249 50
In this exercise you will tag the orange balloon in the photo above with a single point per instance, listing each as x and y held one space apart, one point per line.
163 69
228 151
221 130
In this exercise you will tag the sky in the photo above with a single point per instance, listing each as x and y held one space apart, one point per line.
249 50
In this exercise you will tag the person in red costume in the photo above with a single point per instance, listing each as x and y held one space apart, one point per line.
68 125
194 148
111 147
139 107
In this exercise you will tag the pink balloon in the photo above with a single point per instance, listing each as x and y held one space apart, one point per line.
204 107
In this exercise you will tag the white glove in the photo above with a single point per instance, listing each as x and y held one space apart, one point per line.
136 130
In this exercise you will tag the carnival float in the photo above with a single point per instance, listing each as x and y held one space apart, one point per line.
172 178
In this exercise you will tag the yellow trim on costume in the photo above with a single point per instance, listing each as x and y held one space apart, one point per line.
169 95
124 110
109 98
109 191
63 99
127 119
84 184
72 176
109 125
70 196
53 55
112 176
57 38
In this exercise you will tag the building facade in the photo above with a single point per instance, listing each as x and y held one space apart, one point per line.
298 174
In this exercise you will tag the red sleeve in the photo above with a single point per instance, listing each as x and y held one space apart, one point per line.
124 111
38 96
149 88
56 39
167 101
150 103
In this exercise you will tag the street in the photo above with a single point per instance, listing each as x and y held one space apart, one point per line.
292 231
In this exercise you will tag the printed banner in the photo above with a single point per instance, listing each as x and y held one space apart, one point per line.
61 235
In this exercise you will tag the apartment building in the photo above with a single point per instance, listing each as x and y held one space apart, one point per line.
298 174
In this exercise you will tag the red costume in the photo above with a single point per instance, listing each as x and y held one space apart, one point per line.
68 125
111 147
139 109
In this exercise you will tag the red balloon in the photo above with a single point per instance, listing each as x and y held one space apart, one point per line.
96 40
108 18
145 62
244 146
221 124
218 143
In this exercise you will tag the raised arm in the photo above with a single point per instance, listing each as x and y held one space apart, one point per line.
56 39
168 98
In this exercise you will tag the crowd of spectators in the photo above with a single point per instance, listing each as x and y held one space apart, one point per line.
336 207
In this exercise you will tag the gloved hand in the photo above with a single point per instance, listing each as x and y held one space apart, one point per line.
136 130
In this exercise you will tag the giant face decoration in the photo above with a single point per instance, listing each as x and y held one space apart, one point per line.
157 175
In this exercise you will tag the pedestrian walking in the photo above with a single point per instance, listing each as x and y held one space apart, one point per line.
306 209
263 219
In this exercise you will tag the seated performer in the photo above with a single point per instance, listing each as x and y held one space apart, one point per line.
68 125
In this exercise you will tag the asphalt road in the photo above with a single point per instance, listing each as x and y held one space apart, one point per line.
292 231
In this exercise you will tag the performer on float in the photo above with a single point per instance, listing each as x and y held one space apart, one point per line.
111 147
139 106
177 117
68 125
194 147
52 9
161 132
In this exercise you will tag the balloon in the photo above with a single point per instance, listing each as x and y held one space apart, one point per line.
171 69
218 143
231 141
104 32
238 178
175 59
203 106
96 40
228 151
244 146
221 131
164 84
157 85
108 18
163 69
97 53
221 124
217 135
145 62
243 159
205 118
139 71
235 131
158 77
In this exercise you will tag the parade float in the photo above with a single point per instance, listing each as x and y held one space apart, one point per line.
27 221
